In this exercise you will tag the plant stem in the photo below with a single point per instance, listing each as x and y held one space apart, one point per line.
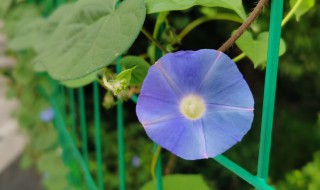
284 22
154 163
239 57
204 19
255 13
291 12
153 40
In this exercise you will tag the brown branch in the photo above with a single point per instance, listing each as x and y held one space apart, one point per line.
255 13
149 36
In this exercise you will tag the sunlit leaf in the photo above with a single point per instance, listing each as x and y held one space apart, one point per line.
304 7
256 49
91 36
154 6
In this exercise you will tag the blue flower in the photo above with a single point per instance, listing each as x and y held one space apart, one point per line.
195 104
47 115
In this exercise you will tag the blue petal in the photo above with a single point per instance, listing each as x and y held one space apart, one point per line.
153 110
180 136
157 85
157 101
224 85
187 68
223 129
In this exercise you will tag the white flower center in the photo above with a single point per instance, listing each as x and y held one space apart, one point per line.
192 107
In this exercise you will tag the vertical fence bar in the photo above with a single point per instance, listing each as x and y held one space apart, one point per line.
120 133
60 126
270 88
159 184
83 125
97 135
62 101
72 112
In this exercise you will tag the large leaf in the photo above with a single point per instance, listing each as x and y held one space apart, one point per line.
91 36
51 24
179 182
27 36
76 83
304 7
141 70
35 33
256 49
19 17
154 6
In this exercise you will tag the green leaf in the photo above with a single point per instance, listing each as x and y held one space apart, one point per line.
256 49
154 6
81 81
51 24
214 13
120 84
19 18
91 36
303 7
27 36
179 182
138 74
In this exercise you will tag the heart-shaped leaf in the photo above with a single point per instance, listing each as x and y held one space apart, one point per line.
179 182
154 6
76 83
35 34
91 36
303 7
256 49
141 70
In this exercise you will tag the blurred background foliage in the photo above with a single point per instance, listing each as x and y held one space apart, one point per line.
295 157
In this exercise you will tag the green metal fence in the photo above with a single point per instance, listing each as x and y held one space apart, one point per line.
71 137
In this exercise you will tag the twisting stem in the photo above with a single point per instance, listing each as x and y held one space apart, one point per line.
154 163
170 165
149 36
204 19
255 13
291 12
284 22
239 57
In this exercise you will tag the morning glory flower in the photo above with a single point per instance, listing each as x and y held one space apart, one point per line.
195 104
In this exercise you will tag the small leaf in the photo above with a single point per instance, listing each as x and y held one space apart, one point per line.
138 74
256 49
304 7
120 85
179 182
154 6
91 37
